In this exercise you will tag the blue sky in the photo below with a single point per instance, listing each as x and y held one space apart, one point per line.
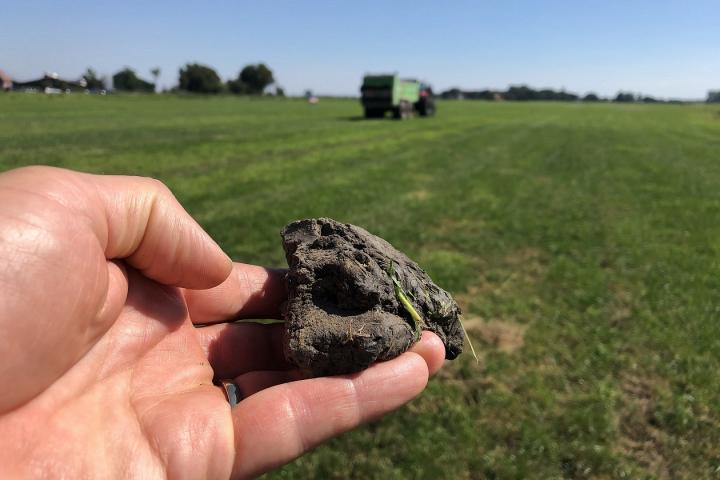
661 48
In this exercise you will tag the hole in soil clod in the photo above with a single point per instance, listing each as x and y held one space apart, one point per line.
336 291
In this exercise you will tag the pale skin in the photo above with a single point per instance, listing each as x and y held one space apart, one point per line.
103 373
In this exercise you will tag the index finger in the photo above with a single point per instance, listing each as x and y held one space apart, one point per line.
249 291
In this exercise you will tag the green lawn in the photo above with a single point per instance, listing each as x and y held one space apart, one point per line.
583 242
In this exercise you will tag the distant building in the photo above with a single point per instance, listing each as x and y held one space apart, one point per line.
6 81
50 83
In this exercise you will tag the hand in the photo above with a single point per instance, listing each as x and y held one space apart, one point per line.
104 375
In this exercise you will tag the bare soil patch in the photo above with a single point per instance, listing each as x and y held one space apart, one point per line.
641 439
507 337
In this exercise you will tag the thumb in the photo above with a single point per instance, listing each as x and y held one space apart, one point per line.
142 222
59 231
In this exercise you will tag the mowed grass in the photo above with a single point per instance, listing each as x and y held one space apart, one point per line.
582 241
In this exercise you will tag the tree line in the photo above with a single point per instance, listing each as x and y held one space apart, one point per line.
254 80
524 93
194 78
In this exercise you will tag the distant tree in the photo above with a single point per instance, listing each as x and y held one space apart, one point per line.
238 87
648 99
546 94
126 80
279 92
155 72
198 78
525 93
521 93
713 96
92 81
252 80
518 93
624 97
591 97
478 95
256 78
451 94
564 96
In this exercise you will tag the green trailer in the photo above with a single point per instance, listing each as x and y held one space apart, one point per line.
403 98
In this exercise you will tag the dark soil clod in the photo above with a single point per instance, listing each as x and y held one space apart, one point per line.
342 312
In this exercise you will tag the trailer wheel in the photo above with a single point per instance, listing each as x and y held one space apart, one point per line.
408 110
403 111
371 113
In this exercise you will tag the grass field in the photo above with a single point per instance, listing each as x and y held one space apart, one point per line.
582 241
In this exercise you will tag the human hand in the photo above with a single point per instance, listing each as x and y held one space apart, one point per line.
103 372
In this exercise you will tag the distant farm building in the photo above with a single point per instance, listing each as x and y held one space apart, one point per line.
50 83
6 81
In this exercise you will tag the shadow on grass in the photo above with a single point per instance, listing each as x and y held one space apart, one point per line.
360 118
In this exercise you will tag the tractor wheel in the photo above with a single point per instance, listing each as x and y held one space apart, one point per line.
426 108
430 109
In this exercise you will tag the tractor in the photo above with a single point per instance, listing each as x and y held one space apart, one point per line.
403 98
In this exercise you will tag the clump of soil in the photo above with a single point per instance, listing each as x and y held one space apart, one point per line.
343 312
